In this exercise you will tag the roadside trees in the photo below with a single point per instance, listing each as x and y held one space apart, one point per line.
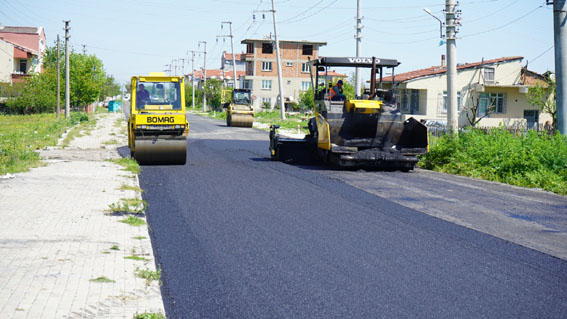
543 96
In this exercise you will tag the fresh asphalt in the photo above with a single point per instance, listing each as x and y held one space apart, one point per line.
239 236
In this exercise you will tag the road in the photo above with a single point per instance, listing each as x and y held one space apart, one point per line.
239 236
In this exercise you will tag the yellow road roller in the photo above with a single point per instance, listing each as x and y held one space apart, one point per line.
158 127
239 110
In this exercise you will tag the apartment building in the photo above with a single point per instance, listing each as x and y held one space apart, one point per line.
262 73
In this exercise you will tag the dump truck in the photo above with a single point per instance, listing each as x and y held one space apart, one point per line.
157 126
364 132
239 110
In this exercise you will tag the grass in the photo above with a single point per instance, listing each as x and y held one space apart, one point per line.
528 160
137 258
110 142
133 221
128 165
22 135
125 187
102 279
129 205
114 247
139 237
149 275
150 315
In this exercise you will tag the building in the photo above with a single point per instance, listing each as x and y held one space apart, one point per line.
226 64
498 87
261 75
27 45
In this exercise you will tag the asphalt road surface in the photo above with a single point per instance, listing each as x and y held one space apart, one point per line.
239 236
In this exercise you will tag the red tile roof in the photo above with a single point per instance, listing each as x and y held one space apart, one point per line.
434 70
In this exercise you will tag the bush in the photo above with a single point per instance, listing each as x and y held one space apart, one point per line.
528 160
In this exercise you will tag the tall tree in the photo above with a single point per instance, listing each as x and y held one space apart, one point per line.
543 96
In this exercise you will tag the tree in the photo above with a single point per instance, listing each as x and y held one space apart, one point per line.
87 78
473 110
214 91
306 99
543 96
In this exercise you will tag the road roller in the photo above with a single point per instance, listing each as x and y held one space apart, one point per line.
365 132
157 126
239 110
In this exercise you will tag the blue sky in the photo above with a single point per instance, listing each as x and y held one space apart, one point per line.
137 37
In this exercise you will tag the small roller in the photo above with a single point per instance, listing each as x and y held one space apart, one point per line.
242 120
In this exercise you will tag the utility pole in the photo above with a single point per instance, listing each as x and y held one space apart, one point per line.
559 17
358 44
282 107
193 76
67 95
84 49
451 32
58 79
182 67
204 75
232 48
174 66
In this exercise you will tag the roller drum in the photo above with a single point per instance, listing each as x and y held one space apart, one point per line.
242 120
161 150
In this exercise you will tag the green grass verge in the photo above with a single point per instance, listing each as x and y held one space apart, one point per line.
129 165
21 135
529 160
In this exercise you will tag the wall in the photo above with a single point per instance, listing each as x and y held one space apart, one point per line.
6 62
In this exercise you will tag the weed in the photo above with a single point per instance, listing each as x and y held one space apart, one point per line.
133 221
137 258
129 205
125 187
139 237
102 279
129 164
149 275
149 315
114 247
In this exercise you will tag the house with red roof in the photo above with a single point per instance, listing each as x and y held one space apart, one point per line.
22 52
496 88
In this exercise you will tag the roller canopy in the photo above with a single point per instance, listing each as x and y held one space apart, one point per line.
353 62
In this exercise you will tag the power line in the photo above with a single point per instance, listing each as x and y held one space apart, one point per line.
504 25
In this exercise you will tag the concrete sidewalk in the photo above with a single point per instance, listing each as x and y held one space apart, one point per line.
63 254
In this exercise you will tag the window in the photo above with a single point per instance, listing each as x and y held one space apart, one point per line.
23 66
246 84
305 85
250 48
266 66
492 102
445 101
289 64
409 101
267 48
307 49
266 84
489 75
305 68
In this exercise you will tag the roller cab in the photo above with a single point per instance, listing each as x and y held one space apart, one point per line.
239 110
157 126
364 132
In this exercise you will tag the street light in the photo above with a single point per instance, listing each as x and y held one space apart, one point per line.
440 22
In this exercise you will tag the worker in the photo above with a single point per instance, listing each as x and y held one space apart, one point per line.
142 95
336 92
